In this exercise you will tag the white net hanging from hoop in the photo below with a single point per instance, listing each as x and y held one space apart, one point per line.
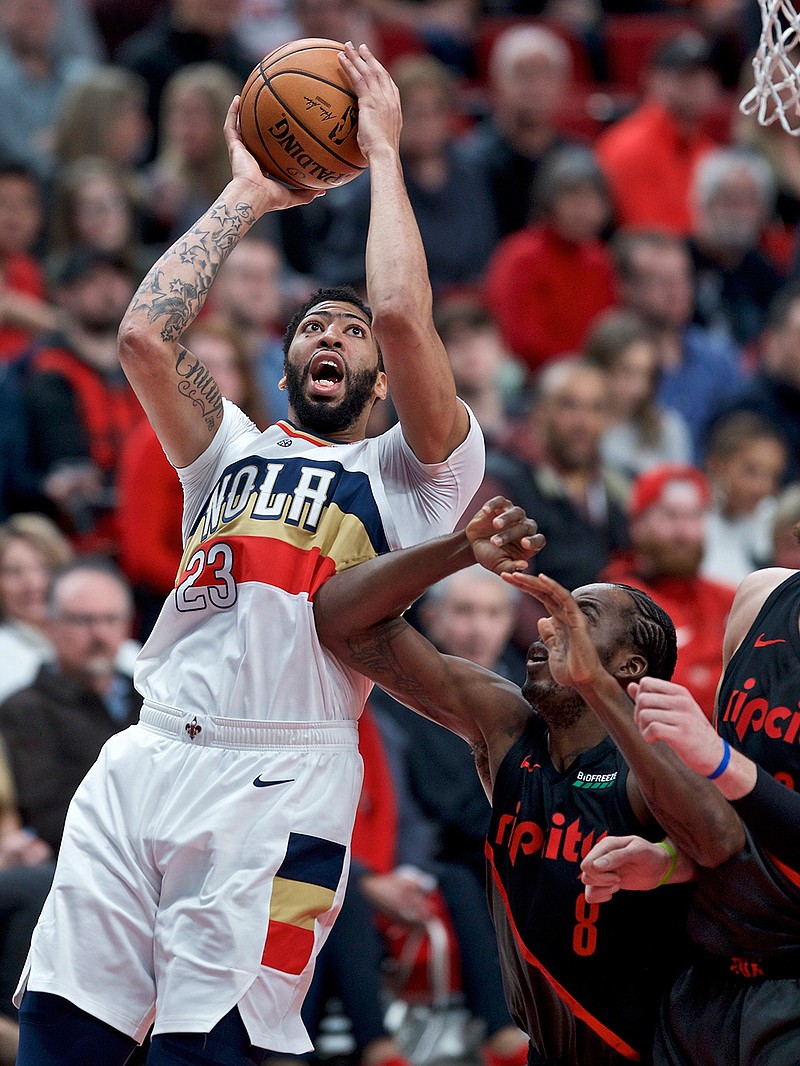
775 97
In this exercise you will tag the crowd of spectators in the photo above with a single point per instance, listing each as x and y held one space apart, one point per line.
615 262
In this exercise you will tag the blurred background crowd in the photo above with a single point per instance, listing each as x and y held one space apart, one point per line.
613 249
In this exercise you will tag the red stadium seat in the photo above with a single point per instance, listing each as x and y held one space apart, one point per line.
591 107
630 40
719 123
396 40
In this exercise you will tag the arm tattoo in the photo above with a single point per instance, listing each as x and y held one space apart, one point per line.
175 289
199 386
174 302
373 655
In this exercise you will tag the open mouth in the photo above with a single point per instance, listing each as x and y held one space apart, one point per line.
537 653
326 373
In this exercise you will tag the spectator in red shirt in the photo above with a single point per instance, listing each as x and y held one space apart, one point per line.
668 509
649 156
78 404
23 309
150 527
547 283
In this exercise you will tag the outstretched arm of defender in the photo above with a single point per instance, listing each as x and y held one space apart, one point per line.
358 617
181 398
421 381
500 537
700 821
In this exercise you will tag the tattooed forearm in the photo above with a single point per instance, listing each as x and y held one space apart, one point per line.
373 654
172 296
199 386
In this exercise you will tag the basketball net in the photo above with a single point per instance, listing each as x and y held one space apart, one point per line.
775 97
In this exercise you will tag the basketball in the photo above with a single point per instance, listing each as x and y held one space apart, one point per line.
299 117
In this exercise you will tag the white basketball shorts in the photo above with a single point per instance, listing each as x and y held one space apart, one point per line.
203 864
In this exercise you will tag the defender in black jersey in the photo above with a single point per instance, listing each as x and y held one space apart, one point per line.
738 1004
583 982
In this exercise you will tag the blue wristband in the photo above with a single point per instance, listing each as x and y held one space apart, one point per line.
723 763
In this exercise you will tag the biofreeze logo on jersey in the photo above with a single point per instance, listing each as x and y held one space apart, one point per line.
583 780
294 493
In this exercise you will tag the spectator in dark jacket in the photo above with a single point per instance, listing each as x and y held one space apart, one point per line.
182 32
578 502
529 75
54 729
774 390
734 196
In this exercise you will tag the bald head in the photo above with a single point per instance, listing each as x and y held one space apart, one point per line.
523 46
90 609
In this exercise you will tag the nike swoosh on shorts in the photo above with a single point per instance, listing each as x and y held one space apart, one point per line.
265 784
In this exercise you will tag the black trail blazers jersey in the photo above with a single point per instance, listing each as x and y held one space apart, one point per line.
583 981
737 1005
749 909
758 707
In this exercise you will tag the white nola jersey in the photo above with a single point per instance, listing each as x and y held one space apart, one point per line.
268 517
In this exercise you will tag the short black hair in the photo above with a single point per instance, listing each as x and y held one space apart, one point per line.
736 428
688 50
15 168
652 632
562 171
340 293
626 242
78 263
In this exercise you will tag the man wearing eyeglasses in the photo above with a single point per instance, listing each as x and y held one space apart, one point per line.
55 727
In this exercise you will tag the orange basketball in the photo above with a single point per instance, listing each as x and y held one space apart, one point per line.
298 116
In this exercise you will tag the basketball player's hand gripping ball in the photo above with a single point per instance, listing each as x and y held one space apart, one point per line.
298 116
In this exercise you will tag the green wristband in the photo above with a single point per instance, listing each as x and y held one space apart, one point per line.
669 847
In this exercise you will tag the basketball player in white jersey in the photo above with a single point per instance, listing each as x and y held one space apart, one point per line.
205 854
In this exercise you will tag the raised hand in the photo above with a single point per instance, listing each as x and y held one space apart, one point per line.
273 195
380 118
502 537
666 711
572 658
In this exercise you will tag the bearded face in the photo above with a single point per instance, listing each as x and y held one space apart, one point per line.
670 534
327 416
678 558
332 368
560 707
